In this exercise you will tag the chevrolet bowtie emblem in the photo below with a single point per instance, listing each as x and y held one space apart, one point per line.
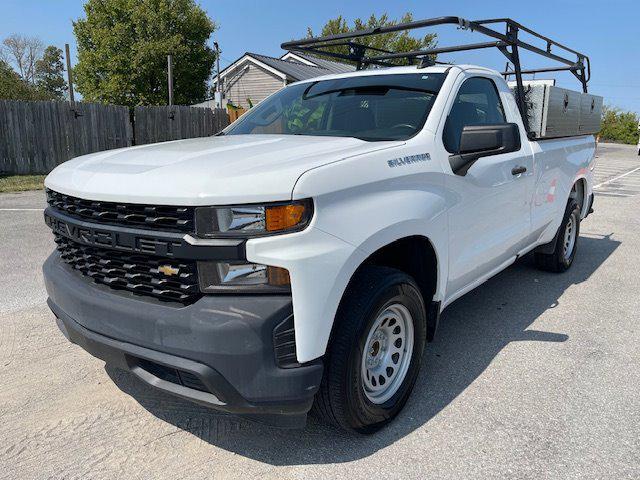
168 270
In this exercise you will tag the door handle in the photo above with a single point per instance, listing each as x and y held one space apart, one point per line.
518 170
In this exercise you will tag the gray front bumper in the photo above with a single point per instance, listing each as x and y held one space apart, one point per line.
227 341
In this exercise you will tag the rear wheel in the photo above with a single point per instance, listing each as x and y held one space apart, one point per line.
566 244
375 352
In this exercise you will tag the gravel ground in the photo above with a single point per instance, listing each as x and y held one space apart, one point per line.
532 375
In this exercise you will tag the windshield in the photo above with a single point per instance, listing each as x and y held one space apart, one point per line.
372 108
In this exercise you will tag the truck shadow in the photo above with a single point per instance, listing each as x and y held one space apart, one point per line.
472 332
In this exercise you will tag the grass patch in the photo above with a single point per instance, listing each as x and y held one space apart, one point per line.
21 183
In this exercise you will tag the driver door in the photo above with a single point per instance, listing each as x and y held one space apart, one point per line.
490 221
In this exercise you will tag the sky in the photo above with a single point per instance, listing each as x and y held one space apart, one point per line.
607 31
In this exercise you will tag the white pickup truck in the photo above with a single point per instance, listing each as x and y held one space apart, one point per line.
304 255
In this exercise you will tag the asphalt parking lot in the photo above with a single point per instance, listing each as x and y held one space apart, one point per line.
533 375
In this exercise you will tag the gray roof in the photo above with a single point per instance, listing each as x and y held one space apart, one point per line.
293 70
333 67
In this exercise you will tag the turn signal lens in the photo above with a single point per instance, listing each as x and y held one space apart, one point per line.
284 217
278 277
253 220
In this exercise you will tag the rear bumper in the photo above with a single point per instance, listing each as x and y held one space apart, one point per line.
218 351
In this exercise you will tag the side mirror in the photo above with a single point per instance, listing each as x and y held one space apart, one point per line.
478 141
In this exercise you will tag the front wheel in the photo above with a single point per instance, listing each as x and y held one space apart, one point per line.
375 352
566 244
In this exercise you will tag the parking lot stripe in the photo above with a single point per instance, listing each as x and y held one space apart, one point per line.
616 178
21 209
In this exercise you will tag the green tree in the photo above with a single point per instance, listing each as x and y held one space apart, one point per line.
619 126
123 47
393 42
49 74
13 87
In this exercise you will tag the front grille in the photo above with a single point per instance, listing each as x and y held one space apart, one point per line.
166 218
137 273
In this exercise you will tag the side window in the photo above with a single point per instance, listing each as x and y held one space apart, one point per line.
477 103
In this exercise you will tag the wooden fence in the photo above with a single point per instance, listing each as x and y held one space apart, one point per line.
35 137
160 124
235 113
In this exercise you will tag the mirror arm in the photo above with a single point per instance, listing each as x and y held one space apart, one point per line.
462 162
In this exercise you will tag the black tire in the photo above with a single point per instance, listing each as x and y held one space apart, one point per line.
558 261
341 399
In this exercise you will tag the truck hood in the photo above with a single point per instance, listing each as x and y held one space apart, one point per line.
204 171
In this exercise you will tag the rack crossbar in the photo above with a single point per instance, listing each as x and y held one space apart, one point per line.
436 51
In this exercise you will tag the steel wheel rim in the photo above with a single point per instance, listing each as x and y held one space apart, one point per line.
387 353
569 238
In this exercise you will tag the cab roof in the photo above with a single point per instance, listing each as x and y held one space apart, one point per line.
399 70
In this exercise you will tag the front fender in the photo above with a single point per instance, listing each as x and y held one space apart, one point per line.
350 224
320 266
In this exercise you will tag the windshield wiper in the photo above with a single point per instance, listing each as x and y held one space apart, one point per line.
359 137
374 139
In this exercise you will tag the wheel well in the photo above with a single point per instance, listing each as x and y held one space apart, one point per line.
578 192
416 257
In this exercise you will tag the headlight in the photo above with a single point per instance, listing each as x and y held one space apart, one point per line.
215 277
253 220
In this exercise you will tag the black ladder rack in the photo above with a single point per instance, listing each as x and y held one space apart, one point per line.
508 43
